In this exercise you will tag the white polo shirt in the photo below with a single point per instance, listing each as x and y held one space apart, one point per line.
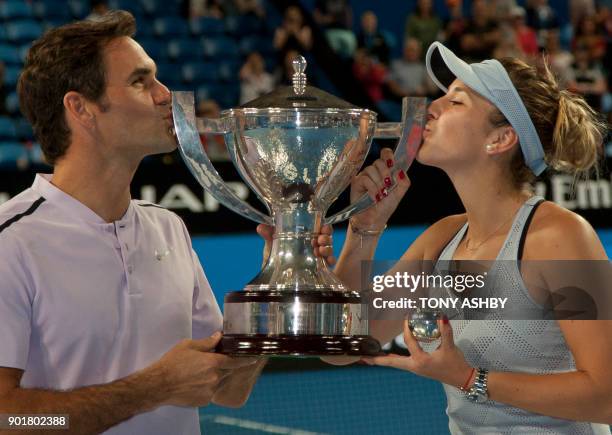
86 302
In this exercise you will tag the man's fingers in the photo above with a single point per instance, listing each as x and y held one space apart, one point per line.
391 360
233 363
327 229
266 232
207 344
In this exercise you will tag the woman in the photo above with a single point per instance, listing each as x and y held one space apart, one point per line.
498 126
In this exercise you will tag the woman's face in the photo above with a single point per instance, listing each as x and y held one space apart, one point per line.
457 129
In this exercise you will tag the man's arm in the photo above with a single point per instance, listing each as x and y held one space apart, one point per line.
91 409
188 375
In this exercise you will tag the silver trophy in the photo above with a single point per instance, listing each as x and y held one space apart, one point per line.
297 148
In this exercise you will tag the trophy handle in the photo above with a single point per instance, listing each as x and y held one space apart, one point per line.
409 132
190 146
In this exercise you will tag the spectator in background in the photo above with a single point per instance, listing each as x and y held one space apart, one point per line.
98 8
213 144
408 75
455 27
481 35
333 14
255 81
372 39
559 59
589 35
3 110
423 24
335 17
284 71
243 7
586 78
370 73
580 9
508 45
206 8
293 34
502 9
526 37
542 18
250 7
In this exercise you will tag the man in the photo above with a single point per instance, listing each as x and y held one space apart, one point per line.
105 312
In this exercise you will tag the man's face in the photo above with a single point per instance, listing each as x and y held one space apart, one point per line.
135 119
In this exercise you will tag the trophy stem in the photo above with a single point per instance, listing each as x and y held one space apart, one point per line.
292 265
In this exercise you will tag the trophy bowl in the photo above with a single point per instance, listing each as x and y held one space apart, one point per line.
297 149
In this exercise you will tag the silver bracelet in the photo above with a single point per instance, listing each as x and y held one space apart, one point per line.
479 392
364 233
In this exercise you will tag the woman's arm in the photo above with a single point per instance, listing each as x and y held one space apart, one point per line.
375 180
584 395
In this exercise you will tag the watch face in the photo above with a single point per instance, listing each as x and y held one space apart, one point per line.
481 398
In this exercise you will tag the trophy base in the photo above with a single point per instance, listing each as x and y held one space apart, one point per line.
300 323
303 345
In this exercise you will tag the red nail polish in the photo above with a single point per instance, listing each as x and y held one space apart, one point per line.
445 320
384 192
389 163
388 181
402 175
378 197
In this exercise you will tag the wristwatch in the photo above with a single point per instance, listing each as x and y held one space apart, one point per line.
479 393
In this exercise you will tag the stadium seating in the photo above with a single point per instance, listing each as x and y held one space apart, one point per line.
185 49
7 129
161 7
12 103
199 72
50 10
23 129
206 26
11 75
9 54
220 47
170 26
23 30
15 9
13 155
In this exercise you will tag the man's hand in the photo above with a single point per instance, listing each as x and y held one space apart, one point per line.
322 244
192 372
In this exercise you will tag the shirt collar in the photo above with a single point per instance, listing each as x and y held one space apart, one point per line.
42 185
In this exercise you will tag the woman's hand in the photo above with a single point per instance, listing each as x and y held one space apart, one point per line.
322 244
376 180
446 364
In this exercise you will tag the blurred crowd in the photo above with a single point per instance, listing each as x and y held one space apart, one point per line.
578 51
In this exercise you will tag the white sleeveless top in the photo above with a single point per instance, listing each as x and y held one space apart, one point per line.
526 346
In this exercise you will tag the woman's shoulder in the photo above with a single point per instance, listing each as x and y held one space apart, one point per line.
436 237
558 233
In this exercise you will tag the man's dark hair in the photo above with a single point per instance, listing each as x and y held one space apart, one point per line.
67 58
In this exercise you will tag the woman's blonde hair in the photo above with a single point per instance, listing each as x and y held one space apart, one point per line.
569 129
